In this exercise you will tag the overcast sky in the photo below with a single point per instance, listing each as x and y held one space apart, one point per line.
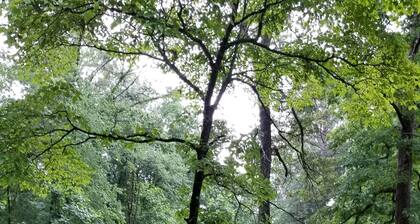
237 106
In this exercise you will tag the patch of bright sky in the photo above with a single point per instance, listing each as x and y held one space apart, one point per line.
15 89
330 202
396 26
237 107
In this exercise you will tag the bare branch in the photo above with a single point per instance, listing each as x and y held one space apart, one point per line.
360 212
418 182
335 76
276 51
198 41
125 89
286 170
53 144
302 142
260 11
136 138
177 71
300 220
115 51
150 99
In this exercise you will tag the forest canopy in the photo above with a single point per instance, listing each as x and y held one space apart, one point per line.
85 137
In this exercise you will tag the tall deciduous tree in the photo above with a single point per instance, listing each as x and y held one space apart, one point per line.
401 69
207 44
205 54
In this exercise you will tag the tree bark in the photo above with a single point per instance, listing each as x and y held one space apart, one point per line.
9 206
265 159
407 120
199 174
404 166
195 197
55 207
131 195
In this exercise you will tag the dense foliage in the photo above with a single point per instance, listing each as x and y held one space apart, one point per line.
84 138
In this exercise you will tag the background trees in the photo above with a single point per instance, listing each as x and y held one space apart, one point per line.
331 77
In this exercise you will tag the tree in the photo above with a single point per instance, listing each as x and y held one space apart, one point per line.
403 97
205 55
210 54
42 140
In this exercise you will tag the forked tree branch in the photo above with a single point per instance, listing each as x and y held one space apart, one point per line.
135 138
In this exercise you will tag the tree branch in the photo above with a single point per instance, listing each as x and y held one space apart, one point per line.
279 52
177 71
115 51
286 170
260 11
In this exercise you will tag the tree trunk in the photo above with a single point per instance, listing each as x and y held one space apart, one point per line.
404 166
407 120
199 175
130 198
195 197
9 206
55 207
265 159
